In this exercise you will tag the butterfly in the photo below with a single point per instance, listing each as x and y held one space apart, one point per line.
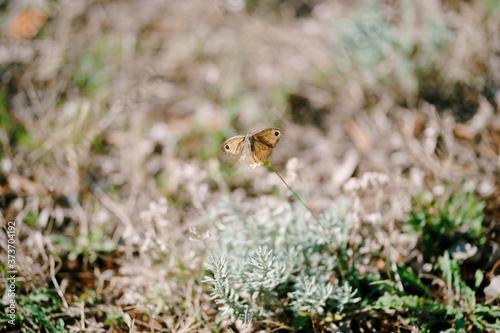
253 149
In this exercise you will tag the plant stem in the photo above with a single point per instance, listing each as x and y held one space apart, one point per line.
340 263
298 197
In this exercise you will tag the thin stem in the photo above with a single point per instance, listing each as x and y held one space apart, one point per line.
341 270
298 197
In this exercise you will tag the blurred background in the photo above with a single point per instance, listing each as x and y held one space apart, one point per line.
112 113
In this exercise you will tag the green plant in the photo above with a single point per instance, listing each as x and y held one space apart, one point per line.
36 311
14 130
97 64
115 315
370 44
87 245
441 219
340 262
278 260
458 310
491 7
31 219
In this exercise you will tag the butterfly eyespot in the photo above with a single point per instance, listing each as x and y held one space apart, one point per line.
227 147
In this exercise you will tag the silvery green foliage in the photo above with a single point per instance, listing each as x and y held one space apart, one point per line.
345 295
276 259
221 291
309 295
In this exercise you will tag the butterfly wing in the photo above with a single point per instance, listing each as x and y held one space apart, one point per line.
269 136
263 142
234 146
260 151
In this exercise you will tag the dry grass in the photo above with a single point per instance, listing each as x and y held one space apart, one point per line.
113 106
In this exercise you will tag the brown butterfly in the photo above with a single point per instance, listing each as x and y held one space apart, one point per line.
255 148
